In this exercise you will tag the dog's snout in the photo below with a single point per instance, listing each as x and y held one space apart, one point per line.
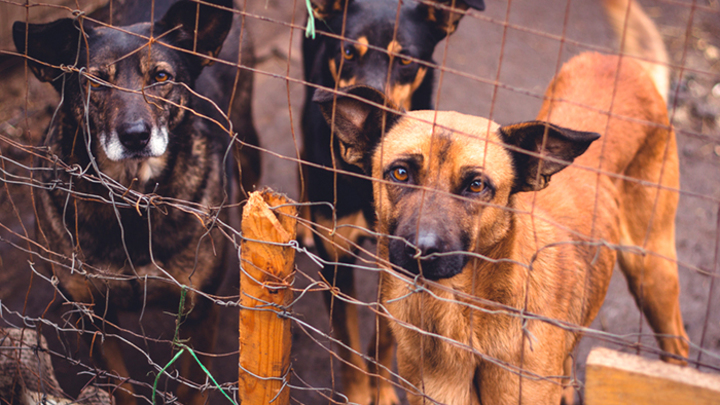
428 247
135 135
427 244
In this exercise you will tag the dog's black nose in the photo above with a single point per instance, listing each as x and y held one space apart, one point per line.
134 135
427 244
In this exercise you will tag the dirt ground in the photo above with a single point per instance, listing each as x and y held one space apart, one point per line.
531 54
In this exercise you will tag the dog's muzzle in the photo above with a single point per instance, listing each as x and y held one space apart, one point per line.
135 140
432 256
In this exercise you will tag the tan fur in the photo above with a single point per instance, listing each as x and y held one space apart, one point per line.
333 69
640 38
362 46
401 94
556 240
394 48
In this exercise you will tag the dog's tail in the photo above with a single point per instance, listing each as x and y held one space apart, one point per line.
640 38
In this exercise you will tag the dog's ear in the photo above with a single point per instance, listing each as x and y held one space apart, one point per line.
52 44
212 22
358 124
445 20
562 146
322 9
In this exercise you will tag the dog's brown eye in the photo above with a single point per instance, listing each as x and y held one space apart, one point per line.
161 77
405 61
94 84
348 53
400 174
477 186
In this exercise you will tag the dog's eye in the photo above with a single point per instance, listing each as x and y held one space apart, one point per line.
162 76
405 61
94 79
348 52
400 174
476 186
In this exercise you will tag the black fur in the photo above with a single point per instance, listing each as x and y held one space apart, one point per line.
374 20
135 130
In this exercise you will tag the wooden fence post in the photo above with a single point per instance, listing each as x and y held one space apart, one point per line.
266 274
614 378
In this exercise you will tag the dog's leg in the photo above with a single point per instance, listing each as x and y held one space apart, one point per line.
448 379
344 318
338 247
200 328
648 221
499 384
568 397
382 345
108 355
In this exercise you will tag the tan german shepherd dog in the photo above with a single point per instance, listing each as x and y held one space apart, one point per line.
501 240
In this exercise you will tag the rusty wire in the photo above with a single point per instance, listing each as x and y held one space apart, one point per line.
21 134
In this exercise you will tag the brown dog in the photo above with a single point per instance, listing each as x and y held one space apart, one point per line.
497 268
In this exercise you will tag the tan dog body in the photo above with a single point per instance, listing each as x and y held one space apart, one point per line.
539 263
559 266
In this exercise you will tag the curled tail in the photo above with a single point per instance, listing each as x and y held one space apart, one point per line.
639 37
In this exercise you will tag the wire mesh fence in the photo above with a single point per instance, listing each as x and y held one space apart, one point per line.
115 290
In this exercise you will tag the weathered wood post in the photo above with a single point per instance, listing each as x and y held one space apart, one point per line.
614 378
266 275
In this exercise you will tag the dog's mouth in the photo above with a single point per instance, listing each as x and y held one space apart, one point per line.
431 264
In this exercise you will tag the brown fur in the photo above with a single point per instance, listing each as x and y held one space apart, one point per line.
548 254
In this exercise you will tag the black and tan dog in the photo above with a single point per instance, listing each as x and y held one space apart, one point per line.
134 179
389 47
502 247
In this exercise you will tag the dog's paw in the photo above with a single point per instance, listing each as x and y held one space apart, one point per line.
386 395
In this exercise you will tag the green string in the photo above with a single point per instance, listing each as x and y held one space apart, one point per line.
180 314
161 373
310 28
182 349
207 372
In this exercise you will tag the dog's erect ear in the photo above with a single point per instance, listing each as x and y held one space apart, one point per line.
213 25
322 9
358 125
54 43
446 21
562 146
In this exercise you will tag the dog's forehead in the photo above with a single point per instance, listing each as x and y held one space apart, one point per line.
119 39
110 45
452 132
373 23
468 140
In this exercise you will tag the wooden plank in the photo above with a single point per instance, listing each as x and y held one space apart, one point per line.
265 279
614 378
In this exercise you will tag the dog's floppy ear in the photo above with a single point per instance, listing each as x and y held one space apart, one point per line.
358 124
322 9
446 21
54 44
213 25
562 146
